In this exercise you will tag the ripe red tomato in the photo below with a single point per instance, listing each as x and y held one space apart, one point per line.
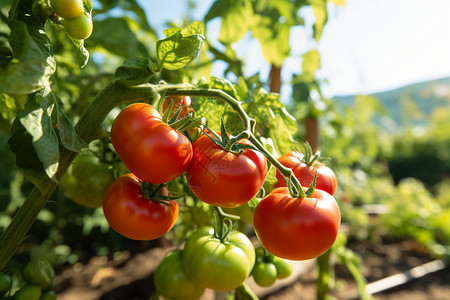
326 179
178 101
134 216
222 178
151 149
297 228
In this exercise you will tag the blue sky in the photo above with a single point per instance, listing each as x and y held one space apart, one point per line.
367 46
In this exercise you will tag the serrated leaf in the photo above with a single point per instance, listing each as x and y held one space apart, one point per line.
67 134
196 27
81 52
237 19
223 85
178 51
134 71
7 106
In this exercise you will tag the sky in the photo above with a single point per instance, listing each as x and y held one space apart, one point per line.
367 46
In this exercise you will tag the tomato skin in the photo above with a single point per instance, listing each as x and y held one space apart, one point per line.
171 279
151 149
222 178
133 216
79 28
178 101
216 265
326 179
297 228
5 283
89 192
48 295
69 9
264 274
39 272
284 268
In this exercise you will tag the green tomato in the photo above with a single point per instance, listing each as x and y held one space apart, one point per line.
87 179
29 292
202 214
243 211
48 295
216 265
284 267
171 279
69 9
264 274
5 283
79 28
39 272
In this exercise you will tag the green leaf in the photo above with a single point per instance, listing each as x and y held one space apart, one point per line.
81 52
237 19
34 140
177 51
121 40
31 68
87 5
7 106
134 71
67 134
196 27
224 85
310 64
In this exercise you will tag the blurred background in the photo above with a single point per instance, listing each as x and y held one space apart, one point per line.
367 83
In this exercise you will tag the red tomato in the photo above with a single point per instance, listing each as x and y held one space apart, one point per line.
222 178
326 179
178 101
297 228
151 149
134 216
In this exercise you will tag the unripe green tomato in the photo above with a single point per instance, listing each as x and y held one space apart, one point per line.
5 283
29 292
68 9
79 28
39 272
284 267
243 211
201 214
48 295
172 281
87 179
264 274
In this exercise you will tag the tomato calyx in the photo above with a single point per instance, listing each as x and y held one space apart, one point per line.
153 192
307 156
174 120
228 142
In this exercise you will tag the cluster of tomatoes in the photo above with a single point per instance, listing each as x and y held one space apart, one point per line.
139 206
77 22
38 276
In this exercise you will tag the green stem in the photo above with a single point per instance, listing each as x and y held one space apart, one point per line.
246 132
325 277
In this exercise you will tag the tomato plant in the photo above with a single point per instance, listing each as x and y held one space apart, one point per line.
90 192
171 279
79 28
28 292
297 228
69 9
39 272
222 178
326 179
151 149
216 264
133 214
284 267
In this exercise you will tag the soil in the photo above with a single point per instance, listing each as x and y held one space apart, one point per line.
130 276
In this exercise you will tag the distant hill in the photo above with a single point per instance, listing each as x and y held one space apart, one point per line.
423 97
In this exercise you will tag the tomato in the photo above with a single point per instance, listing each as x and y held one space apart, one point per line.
28 292
48 295
69 9
216 265
171 279
87 179
202 214
284 267
178 101
39 272
5 283
264 274
151 149
134 216
222 178
297 228
243 211
79 28
326 179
